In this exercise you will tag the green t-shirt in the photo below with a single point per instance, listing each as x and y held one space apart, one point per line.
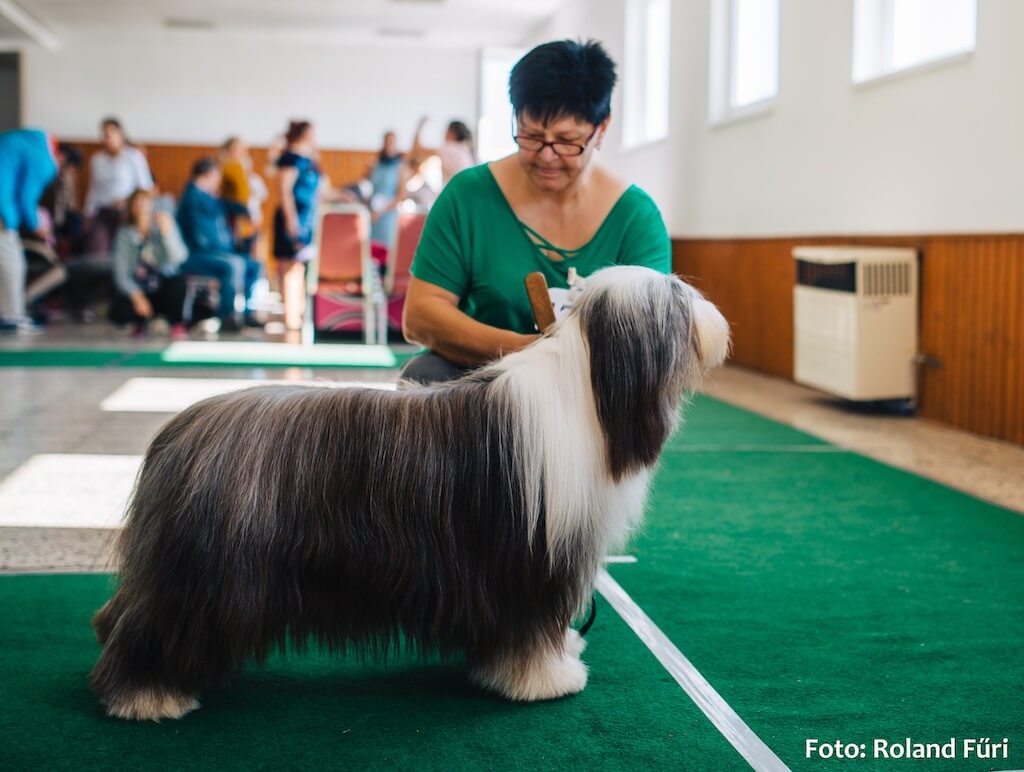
474 246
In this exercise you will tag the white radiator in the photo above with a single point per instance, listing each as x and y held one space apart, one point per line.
855 321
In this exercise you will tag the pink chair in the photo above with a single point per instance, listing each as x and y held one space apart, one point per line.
343 283
396 277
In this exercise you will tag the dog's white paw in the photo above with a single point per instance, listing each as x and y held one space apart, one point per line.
150 705
545 676
574 643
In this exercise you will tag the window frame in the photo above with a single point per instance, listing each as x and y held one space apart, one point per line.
637 131
721 111
882 68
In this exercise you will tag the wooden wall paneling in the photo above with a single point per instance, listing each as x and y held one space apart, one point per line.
971 316
1014 377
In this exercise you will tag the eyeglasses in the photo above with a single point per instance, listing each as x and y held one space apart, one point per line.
534 145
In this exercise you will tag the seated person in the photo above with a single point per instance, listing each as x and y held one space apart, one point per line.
203 219
549 207
148 252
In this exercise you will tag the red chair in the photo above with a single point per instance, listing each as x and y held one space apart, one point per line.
343 283
397 275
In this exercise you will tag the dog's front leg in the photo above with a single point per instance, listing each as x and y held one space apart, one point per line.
541 671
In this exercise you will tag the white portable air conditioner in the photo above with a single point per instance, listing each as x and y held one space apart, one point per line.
855 321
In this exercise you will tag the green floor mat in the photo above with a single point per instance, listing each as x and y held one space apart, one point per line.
828 596
318 711
213 354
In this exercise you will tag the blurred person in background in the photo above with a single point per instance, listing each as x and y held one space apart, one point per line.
301 186
385 178
245 190
116 170
203 219
148 255
29 160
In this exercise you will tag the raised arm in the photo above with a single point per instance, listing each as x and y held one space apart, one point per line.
432 318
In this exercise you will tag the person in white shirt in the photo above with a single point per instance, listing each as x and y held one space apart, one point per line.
456 153
115 171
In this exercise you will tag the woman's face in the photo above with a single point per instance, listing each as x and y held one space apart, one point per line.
549 170
390 146
113 138
142 211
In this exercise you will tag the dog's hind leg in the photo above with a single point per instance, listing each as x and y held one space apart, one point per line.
133 677
103 621
539 672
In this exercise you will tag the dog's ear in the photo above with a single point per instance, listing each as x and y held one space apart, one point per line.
636 335
710 334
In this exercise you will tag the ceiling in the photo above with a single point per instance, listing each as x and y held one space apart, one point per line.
442 23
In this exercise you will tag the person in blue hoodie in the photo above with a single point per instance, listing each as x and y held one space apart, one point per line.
203 220
28 162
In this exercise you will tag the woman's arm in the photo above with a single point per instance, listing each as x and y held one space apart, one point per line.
123 257
286 178
432 318
171 250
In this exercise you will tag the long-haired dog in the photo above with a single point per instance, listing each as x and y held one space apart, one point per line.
469 516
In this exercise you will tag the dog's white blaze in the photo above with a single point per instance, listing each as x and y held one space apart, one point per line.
551 384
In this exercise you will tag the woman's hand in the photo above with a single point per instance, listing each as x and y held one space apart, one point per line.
164 223
141 305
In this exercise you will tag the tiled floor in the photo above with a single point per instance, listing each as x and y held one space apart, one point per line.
71 438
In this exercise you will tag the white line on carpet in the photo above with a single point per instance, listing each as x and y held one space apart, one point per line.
725 719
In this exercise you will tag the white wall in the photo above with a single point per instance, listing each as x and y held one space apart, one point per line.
934 152
196 88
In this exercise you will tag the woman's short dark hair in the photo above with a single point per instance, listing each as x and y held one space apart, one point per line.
203 166
295 131
460 131
564 78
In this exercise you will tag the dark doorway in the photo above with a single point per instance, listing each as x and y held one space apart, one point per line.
10 91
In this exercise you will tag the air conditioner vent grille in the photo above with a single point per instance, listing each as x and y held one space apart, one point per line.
886 279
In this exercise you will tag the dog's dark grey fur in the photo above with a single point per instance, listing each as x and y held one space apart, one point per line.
352 517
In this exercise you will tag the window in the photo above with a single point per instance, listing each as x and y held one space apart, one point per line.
744 66
494 128
645 88
894 35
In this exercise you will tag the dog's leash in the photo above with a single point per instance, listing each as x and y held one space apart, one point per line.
590 619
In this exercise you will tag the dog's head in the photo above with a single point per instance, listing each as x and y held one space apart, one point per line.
650 339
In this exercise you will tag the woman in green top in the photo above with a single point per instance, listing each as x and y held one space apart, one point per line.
546 208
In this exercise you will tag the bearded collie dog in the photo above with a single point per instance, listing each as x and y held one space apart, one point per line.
467 518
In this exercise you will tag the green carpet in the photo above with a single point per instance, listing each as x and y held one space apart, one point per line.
828 596
822 594
329 712
212 354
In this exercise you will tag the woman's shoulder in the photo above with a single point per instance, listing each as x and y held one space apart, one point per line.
133 154
631 200
472 186
289 158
